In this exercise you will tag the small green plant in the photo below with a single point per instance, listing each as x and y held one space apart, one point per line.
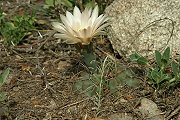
3 79
4 109
14 32
94 84
1 15
99 87
70 3
85 117
108 79
54 3
157 74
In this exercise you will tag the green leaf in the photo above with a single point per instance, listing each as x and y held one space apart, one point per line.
142 61
158 58
150 77
164 62
91 4
166 54
113 84
3 96
175 68
3 77
85 85
49 2
10 25
127 78
57 2
67 3
156 76
97 79
1 15
134 57
164 77
90 61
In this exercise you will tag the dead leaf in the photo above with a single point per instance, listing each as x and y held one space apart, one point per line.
41 22
21 12
25 68
63 65
128 97
95 119
35 103
101 41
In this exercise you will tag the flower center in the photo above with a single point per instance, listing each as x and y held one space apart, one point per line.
80 29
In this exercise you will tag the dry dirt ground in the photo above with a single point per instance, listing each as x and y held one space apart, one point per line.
42 75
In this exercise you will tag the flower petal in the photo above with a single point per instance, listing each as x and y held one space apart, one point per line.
98 22
99 31
84 18
77 14
69 17
90 12
94 14
65 21
58 26
69 40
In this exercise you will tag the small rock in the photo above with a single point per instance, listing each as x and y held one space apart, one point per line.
48 116
3 110
16 89
72 110
18 57
52 105
62 65
149 110
122 100
178 117
95 119
121 116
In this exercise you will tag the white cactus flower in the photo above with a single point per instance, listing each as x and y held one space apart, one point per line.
80 27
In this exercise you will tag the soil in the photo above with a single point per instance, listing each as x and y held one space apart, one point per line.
44 70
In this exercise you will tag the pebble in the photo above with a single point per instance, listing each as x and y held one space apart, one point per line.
16 89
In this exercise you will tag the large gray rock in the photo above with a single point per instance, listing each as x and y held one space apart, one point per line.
144 26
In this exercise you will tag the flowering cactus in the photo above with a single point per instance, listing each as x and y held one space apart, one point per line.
80 27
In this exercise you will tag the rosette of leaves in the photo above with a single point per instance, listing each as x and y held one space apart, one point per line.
3 79
14 32
157 74
54 3
110 78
